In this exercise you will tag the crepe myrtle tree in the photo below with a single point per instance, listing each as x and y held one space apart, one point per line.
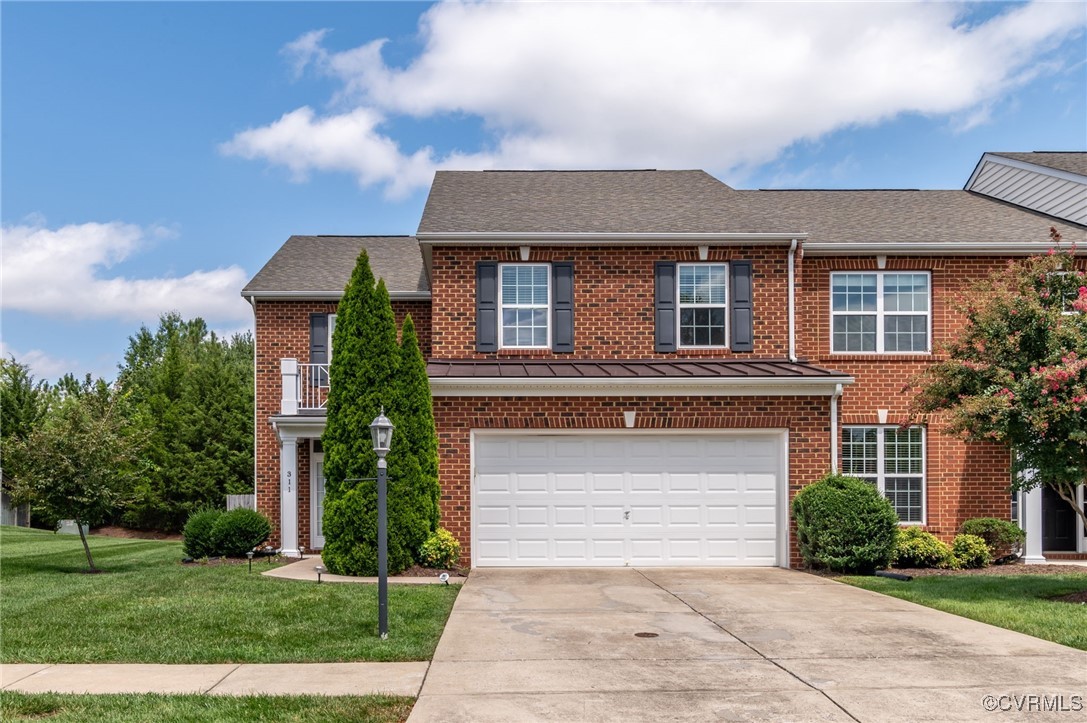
1017 372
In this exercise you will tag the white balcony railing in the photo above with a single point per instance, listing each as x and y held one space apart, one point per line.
305 387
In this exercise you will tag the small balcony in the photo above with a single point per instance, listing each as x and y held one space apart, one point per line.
305 387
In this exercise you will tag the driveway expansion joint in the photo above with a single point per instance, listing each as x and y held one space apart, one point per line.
227 675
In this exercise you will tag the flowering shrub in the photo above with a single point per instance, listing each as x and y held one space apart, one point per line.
1017 373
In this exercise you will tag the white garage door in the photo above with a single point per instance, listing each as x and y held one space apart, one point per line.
627 499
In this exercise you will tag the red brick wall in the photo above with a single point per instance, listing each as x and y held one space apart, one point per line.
806 418
613 299
962 479
282 332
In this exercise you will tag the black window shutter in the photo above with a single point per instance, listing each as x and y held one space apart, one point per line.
664 306
487 306
742 309
562 307
318 338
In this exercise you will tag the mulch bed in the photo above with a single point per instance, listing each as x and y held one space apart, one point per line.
1076 598
418 571
114 531
1015 568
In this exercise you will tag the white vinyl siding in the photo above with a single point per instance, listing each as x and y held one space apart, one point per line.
893 459
1054 193
703 305
524 299
880 312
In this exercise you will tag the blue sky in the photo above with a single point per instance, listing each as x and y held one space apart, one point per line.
154 155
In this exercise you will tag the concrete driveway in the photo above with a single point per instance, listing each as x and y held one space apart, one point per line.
727 644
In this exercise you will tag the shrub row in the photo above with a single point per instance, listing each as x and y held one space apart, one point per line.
845 524
212 532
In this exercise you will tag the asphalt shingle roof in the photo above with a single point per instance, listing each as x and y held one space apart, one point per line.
575 202
893 216
1070 161
325 263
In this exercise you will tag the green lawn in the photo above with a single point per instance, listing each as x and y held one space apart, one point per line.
148 608
1015 602
202 708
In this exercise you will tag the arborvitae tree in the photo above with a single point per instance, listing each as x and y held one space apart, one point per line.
362 379
415 439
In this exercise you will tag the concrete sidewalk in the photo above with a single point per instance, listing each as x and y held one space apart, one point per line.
305 569
221 679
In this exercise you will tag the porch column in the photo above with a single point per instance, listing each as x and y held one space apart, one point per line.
288 372
1032 525
288 495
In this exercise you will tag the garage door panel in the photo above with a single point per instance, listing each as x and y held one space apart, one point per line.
612 499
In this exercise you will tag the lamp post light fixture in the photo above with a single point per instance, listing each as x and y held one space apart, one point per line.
320 569
381 429
249 555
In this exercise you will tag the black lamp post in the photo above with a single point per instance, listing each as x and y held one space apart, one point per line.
381 429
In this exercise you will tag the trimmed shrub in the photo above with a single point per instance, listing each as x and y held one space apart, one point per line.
1003 538
845 524
440 550
917 548
199 539
239 531
971 551
350 525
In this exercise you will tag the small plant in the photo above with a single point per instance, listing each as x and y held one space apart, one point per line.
440 550
971 551
239 531
199 539
1003 538
845 524
917 548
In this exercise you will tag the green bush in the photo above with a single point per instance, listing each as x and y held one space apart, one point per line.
350 526
1003 538
845 524
971 551
199 539
440 550
917 548
239 531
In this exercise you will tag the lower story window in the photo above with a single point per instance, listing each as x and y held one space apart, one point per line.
893 459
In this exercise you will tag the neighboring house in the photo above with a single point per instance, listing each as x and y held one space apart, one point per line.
643 367
18 515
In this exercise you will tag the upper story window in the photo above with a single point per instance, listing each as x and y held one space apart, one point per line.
893 459
703 305
525 303
880 312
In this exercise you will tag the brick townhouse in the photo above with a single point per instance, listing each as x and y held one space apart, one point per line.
643 367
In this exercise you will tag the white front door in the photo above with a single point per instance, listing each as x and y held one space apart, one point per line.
591 499
317 499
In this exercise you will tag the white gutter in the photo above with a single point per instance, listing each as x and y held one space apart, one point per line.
939 248
328 295
627 239
792 300
834 428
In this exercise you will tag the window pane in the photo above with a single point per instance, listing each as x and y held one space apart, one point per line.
905 292
854 333
859 449
904 494
905 333
902 451
853 292
702 327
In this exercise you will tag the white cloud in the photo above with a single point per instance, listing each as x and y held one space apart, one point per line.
63 272
720 85
42 365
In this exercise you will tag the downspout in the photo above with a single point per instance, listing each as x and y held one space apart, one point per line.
792 300
834 428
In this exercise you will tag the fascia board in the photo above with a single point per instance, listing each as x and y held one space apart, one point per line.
624 239
922 248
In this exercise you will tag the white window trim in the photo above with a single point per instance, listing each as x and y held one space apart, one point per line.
503 306
1065 301
879 312
881 473
331 328
681 306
